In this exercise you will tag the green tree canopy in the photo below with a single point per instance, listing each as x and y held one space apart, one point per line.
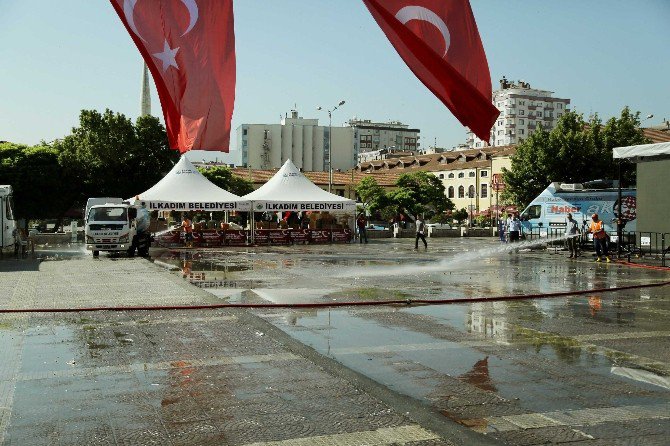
223 177
574 151
414 193
107 155
41 188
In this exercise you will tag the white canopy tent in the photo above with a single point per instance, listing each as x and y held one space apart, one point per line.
290 190
185 189
644 150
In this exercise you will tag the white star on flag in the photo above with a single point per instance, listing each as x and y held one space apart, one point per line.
167 56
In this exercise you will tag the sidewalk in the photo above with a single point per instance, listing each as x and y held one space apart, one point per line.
220 377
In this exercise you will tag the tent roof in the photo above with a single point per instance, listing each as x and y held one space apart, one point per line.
644 150
289 185
184 183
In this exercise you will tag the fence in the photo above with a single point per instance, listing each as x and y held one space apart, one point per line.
648 245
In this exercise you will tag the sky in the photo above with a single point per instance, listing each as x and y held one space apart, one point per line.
58 57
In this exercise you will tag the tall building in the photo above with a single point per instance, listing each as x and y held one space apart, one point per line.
145 98
304 141
373 136
522 110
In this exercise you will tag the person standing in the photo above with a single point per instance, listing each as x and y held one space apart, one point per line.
187 226
362 222
597 228
571 233
514 227
420 232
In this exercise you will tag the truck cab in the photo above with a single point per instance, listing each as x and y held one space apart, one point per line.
115 227
8 229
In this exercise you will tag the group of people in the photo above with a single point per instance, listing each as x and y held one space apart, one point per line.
509 229
600 238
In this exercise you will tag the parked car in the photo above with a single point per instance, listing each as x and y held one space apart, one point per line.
377 227
438 225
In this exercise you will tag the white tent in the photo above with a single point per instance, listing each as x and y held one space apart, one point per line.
290 190
643 150
184 188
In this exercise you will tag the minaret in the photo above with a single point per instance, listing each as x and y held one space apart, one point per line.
146 93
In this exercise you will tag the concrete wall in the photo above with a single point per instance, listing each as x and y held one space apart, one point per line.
653 196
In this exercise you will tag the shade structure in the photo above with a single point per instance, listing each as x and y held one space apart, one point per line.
184 188
643 150
290 190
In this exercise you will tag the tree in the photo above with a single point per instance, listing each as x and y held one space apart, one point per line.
460 215
41 189
109 156
420 193
223 177
573 152
374 197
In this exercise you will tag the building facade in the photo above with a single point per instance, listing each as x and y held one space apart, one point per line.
304 141
375 136
522 111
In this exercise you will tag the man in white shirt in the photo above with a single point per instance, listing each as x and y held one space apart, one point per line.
420 232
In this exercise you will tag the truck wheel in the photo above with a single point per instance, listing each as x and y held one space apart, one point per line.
96 253
131 251
143 252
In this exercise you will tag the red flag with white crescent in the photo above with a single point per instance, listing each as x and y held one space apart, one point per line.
440 43
189 47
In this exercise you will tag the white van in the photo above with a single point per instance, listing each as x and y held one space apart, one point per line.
8 237
549 210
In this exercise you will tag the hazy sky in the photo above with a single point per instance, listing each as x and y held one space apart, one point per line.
58 57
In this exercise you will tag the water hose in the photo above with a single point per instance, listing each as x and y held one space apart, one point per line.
403 302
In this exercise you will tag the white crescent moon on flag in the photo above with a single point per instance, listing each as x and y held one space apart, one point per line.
424 14
192 7
128 11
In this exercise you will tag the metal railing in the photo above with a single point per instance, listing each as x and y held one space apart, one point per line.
634 244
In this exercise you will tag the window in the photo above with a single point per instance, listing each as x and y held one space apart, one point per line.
451 192
471 192
478 144
559 105
461 175
485 190
521 121
499 142
500 132
520 131
534 211
558 115
522 112
499 122
522 102
484 173
366 141
244 131
441 176
461 192
472 174
451 175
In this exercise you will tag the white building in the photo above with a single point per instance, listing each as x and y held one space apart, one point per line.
522 110
304 141
374 136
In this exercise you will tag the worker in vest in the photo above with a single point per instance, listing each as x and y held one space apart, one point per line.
187 227
597 228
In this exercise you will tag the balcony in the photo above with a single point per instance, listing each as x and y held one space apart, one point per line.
532 107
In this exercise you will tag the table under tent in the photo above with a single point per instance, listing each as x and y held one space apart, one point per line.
289 208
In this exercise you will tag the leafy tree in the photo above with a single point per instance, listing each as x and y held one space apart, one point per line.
41 189
109 156
223 177
460 215
373 196
420 193
574 152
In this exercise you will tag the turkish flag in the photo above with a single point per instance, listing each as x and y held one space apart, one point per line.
439 42
189 46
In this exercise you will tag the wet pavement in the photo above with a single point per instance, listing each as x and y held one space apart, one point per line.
587 369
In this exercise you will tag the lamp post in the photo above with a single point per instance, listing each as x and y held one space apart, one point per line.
330 142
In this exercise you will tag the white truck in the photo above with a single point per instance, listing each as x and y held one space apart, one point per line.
118 227
549 210
8 230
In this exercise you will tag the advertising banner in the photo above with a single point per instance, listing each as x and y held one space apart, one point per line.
234 237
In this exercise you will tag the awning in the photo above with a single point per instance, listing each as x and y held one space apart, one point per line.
642 151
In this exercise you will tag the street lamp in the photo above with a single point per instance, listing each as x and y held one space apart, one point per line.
330 141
